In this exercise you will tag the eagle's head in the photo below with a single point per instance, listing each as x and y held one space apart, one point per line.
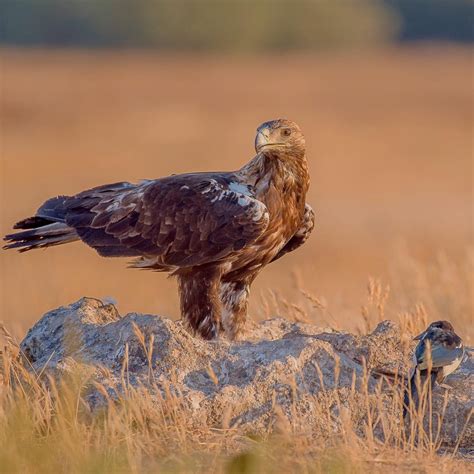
280 137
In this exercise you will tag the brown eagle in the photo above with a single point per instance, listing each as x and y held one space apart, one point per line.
214 231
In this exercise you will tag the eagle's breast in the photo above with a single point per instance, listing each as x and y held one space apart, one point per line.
284 195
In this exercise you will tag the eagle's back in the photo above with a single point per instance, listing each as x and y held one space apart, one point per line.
177 221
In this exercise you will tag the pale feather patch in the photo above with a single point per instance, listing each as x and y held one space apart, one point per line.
239 188
243 195
449 369
144 262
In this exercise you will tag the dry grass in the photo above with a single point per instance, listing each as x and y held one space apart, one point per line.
420 293
47 426
390 148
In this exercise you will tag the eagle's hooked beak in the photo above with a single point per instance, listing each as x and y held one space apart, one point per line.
261 139
264 139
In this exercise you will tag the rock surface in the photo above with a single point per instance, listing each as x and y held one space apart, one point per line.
291 369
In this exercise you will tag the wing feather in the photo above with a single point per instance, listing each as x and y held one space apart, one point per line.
183 220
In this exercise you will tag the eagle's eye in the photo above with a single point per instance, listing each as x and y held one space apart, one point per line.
286 132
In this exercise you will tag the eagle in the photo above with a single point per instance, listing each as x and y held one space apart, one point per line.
213 231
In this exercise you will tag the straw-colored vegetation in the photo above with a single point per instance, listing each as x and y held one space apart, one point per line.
46 425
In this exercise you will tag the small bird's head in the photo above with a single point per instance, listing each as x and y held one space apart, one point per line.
443 325
280 137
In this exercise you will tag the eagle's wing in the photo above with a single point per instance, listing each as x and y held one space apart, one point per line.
184 220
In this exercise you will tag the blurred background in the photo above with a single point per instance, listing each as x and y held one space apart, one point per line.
109 90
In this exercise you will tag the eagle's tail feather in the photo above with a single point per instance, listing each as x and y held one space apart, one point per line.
40 232
45 229
32 223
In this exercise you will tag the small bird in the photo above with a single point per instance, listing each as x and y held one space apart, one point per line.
438 354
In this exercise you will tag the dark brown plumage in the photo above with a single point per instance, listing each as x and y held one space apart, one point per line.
214 231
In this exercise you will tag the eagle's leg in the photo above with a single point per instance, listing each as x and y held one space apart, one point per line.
200 301
234 297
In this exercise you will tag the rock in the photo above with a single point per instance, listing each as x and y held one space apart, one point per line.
284 373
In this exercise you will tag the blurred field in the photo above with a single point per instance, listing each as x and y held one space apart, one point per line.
389 137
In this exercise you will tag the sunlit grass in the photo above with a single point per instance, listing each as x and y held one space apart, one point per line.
46 425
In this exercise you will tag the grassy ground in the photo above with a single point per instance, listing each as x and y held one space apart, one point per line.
46 426
389 139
